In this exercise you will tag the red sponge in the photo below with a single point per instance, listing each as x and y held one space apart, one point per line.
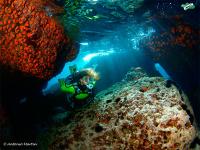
30 40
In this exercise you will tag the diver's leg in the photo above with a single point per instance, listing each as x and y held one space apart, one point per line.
69 101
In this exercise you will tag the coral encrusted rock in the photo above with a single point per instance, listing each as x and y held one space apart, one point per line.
139 114
31 40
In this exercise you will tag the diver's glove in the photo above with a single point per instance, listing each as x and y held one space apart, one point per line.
90 86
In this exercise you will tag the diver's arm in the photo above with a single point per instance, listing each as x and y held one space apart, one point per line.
69 79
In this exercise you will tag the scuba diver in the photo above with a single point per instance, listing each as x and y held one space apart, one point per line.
79 87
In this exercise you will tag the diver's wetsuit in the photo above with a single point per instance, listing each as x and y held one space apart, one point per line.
74 79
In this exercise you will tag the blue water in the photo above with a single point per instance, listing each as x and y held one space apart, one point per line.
112 46
111 57
162 71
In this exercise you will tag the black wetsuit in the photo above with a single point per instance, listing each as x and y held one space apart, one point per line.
74 79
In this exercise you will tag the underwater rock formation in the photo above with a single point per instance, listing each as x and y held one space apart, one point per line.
141 113
181 35
135 74
178 35
31 40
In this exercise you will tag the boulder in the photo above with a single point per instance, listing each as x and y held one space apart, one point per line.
136 114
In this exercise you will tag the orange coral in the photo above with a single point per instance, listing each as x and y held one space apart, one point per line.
144 89
182 35
30 40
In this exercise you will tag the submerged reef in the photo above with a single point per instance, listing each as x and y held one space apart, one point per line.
177 35
182 35
139 112
31 40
